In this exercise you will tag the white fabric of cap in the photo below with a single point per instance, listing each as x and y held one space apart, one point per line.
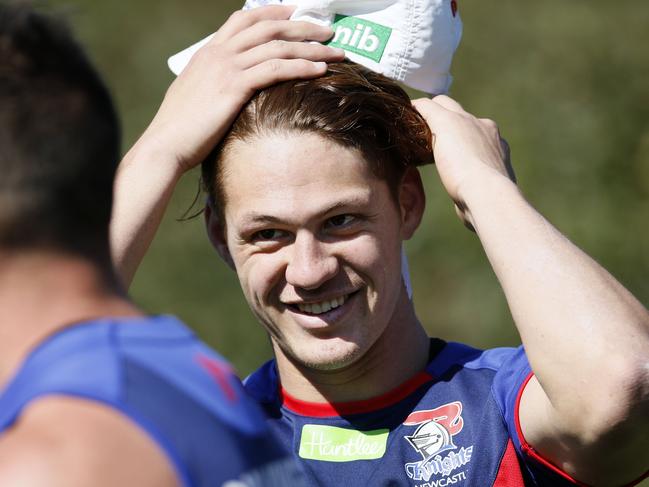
411 41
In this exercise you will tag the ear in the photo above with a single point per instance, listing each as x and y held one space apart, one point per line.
217 233
412 202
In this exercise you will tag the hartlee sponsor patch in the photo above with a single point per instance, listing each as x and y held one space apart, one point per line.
333 444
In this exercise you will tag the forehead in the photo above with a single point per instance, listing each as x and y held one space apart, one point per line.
291 175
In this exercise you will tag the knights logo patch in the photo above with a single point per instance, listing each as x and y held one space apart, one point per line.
441 460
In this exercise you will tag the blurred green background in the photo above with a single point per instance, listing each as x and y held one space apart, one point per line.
568 83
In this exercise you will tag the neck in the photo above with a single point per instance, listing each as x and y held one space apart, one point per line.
40 292
399 354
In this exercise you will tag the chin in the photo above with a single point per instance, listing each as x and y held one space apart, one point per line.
332 355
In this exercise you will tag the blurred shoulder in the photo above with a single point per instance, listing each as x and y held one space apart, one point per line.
61 441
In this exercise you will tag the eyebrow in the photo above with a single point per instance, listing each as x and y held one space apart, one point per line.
260 218
257 218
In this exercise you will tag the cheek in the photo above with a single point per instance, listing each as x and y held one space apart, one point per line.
376 260
364 253
374 251
259 275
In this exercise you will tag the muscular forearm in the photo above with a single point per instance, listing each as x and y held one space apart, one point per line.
585 335
143 187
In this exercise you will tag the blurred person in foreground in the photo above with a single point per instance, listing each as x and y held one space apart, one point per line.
313 187
92 391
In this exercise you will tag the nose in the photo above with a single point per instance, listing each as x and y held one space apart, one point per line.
310 264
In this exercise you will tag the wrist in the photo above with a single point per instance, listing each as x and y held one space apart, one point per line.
150 155
484 191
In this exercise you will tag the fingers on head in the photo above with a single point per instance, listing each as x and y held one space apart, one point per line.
277 70
427 108
242 19
280 49
448 103
270 30
437 108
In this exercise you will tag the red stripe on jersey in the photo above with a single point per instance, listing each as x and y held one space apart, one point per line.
527 448
326 409
509 472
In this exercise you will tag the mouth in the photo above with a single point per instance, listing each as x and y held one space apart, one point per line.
322 307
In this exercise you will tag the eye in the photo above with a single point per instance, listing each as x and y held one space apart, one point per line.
339 221
268 234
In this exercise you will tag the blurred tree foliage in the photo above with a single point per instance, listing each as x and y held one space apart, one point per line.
568 83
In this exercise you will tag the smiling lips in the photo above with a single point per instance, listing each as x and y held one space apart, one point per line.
321 307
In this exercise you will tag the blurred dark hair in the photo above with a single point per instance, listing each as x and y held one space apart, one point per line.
59 139
350 105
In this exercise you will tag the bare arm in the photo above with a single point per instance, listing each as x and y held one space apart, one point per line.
252 50
586 336
64 442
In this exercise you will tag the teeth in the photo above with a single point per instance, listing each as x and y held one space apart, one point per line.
322 307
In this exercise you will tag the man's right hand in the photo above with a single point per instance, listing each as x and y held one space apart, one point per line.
252 50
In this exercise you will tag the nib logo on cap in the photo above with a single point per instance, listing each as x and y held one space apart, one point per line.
360 36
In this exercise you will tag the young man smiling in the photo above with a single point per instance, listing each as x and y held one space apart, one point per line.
313 190
315 238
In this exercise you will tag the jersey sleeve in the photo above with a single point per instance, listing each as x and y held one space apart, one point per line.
509 382
508 385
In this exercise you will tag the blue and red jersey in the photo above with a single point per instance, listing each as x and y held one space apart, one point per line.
456 423
161 377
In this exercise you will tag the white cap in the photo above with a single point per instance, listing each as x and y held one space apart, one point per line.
412 41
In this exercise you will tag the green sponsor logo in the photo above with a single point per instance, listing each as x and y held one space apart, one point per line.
360 36
331 444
